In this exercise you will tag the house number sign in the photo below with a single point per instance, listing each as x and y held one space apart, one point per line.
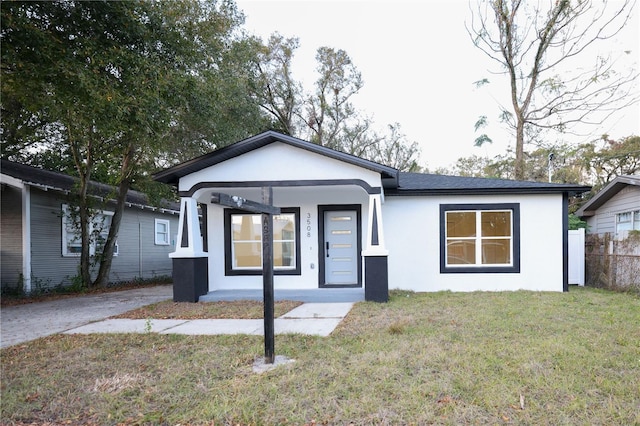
308 222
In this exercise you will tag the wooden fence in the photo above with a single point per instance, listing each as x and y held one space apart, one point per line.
613 263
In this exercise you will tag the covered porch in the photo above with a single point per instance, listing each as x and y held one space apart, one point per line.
208 254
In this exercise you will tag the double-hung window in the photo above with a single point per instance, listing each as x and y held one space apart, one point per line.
479 238
99 225
243 242
162 230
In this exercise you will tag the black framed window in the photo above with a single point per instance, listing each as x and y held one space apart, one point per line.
243 242
480 238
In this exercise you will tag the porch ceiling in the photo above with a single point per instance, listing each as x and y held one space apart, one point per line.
285 194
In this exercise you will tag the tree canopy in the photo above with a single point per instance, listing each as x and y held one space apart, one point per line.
121 88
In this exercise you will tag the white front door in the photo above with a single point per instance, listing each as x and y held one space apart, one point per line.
341 247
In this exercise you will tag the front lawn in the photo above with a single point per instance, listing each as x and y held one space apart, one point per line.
443 358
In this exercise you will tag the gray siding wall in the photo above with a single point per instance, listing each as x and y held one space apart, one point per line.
11 237
48 267
628 199
138 257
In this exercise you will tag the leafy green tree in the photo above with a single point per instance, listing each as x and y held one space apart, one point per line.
119 87
564 163
611 159
535 45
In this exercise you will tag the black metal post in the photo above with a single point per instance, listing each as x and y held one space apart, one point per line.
267 277
267 210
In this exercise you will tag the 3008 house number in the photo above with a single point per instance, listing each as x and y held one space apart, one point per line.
308 225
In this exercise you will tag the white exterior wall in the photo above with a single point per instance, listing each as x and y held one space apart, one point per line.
412 227
279 162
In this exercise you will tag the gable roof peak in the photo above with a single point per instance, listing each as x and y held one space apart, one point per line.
609 190
173 174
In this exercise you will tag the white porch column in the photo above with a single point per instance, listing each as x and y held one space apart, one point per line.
189 244
375 244
376 275
190 262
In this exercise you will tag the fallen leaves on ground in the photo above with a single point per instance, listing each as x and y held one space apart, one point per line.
243 309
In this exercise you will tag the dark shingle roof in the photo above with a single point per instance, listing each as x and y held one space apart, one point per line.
49 179
424 184
394 182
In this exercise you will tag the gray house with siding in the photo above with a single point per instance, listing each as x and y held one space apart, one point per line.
615 208
40 246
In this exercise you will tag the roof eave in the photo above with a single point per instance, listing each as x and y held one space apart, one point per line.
573 190
605 194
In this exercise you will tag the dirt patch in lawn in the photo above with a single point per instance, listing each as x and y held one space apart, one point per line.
243 309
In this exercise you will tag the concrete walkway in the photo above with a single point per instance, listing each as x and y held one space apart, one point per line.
318 319
87 314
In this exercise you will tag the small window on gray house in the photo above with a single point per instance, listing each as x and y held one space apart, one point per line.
163 230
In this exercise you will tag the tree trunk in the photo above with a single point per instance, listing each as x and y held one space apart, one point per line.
519 164
83 165
106 259
85 237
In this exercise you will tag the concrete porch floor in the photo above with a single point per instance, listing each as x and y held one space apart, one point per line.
318 295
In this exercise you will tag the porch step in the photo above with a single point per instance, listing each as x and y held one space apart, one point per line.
320 295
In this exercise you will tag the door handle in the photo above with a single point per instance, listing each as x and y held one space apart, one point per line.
327 248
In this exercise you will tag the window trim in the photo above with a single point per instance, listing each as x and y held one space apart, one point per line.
92 247
228 260
514 268
168 233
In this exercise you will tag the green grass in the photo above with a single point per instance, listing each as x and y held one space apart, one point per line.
438 358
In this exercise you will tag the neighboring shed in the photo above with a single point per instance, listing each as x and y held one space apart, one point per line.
349 222
40 248
615 208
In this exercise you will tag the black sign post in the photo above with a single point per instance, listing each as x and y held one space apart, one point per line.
266 209
267 276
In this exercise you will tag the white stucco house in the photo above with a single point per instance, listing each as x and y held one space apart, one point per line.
347 222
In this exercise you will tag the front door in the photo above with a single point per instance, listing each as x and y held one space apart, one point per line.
340 246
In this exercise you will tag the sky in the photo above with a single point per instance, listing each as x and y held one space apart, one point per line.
419 67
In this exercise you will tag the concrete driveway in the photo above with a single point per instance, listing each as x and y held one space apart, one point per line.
33 320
